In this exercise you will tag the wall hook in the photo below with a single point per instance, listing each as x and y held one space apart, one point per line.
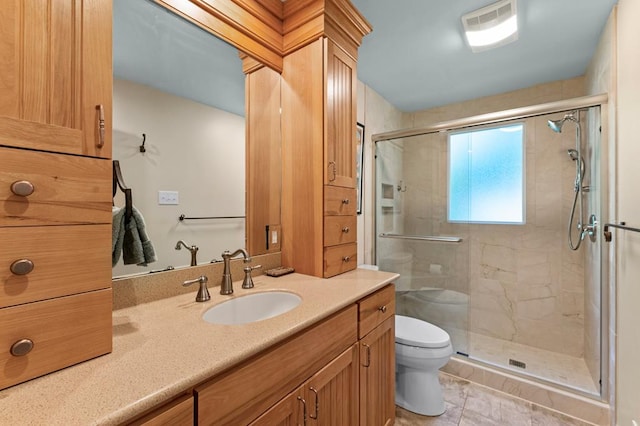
401 188
144 139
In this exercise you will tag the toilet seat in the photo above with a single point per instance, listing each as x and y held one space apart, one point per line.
415 332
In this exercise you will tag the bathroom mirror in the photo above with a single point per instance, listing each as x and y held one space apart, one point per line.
178 133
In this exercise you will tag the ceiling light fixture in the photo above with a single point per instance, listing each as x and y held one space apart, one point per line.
491 26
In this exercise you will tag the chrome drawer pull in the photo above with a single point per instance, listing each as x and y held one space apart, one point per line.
22 188
345 229
101 127
304 410
21 267
332 164
368 364
345 201
383 309
346 259
315 392
21 347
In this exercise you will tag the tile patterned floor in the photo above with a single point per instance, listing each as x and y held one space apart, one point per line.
469 404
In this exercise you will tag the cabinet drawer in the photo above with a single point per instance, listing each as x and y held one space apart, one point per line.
376 308
65 260
64 331
339 230
66 189
339 201
245 392
339 259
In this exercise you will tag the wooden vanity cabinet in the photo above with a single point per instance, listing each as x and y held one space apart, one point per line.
329 397
55 180
340 371
376 332
242 394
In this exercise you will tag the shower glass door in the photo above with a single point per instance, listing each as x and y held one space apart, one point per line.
484 226
415 239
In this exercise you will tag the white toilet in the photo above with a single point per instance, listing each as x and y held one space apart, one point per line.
421 350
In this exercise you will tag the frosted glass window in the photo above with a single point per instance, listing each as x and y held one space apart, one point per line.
486 175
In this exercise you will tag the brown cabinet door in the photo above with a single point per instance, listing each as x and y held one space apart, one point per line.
332 393
55 63
340 108
290 411
377 375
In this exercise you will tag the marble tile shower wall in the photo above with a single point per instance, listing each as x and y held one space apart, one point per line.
525 284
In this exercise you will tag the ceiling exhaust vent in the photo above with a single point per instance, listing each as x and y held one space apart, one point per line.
492 26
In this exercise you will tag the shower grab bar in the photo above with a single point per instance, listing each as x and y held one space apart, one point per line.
621 225
434 238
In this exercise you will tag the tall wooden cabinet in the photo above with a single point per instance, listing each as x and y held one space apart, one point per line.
55 175
319 145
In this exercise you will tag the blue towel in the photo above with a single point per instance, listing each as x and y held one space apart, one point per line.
130 239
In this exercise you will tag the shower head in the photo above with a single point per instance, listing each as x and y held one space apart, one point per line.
556 125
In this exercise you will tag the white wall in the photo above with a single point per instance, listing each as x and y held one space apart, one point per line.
628 205
192 148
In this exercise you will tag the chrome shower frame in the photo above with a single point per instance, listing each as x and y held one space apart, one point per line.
607 346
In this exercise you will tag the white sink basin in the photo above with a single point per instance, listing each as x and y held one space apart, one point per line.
252 307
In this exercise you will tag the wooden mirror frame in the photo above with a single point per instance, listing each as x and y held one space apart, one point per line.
266 31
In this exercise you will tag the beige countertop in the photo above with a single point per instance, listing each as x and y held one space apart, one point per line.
163 348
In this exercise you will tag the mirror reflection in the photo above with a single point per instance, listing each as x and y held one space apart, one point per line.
178 134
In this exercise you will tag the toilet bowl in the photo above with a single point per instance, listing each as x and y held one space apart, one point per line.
421 350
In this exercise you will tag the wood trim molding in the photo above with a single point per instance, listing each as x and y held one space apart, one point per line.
250 64
339 20
245 24
268 30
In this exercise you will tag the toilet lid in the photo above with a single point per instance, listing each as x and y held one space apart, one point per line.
415 332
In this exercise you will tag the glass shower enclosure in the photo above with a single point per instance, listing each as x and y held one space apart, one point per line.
476 220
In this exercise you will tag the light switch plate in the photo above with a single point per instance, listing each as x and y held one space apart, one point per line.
168 197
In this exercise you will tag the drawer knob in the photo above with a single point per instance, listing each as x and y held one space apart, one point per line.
23 188
21 267
21 347
345 201
346 259
345 229
383 309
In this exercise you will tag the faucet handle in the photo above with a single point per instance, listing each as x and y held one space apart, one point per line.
248 281
203 292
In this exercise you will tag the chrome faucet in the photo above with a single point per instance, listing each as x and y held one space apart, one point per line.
248 281
192 249
203 292
226 287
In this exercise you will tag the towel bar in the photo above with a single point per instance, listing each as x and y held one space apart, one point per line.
183 217
621 225
433 238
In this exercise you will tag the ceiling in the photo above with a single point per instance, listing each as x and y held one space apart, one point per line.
416 57
154 47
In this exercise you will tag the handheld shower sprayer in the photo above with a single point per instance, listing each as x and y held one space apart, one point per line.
576 155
